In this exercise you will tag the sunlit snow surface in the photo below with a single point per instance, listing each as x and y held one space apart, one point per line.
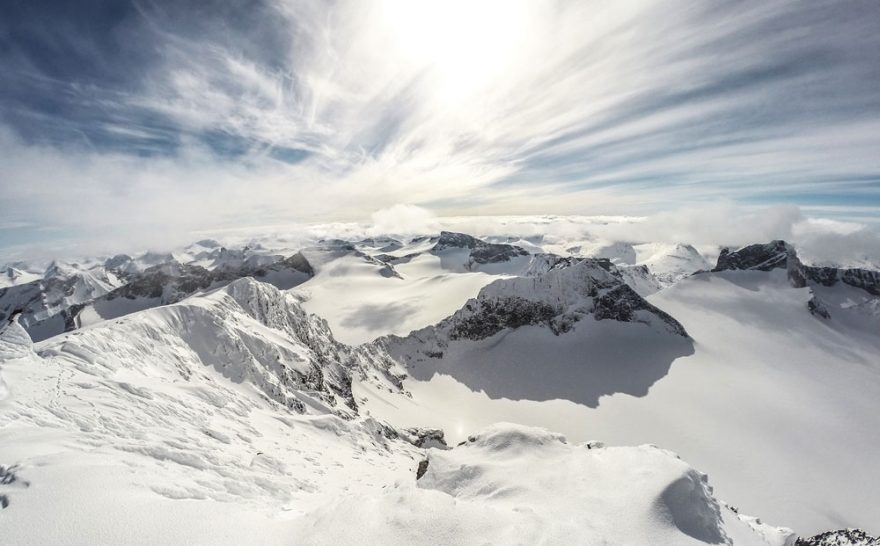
95 450
200 422
771 395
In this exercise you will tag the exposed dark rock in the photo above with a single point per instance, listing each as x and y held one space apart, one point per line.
865 279
558 294
818 308
449 239
761 257
297 262
481 251
426 437
41 298
841 537
336 244
383 244
394 260
122 265
165 283
422 469
494 253
153 282
781 255
491 316
622 303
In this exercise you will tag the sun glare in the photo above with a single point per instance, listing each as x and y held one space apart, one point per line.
465 44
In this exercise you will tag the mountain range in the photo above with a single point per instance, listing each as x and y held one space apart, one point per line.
365 391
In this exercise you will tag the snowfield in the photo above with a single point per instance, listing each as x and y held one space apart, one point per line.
276 395
765 379
193 454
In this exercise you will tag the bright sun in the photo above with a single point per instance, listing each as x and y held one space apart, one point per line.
466 43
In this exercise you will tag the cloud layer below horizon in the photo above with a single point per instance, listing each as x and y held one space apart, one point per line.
150 118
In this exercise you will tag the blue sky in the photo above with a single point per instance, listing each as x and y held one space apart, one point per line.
156 117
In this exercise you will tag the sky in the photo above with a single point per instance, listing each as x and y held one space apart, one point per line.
139 121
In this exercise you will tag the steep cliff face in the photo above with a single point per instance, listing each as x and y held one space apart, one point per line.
567 292
759 257
480 252
781 255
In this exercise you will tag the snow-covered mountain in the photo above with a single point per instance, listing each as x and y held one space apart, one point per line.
214 456
61 287
671 263
549 336
755 348
17 273
263 393
249 331
665 263
68 298
829 286
510 484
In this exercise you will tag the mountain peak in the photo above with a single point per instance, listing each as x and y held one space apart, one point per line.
760 257
451 239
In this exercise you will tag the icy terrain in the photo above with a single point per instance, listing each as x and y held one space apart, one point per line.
299 390
180 446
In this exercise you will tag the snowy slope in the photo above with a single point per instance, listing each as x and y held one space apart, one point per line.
235 416
576 332
432 278
129 432
766 379
62 286
103 453
670 263
620 253
138 289
248 331
15 274
517 485
361 301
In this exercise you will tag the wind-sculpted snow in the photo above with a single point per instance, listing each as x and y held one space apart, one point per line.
14 341
174 425
97 452
189 405
511 484
248 331
576 332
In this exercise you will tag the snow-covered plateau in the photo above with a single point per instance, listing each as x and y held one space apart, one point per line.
504 387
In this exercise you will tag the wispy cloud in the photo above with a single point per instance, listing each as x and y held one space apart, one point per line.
177 117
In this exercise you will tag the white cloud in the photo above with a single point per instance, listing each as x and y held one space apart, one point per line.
522 107
715 223
402 219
